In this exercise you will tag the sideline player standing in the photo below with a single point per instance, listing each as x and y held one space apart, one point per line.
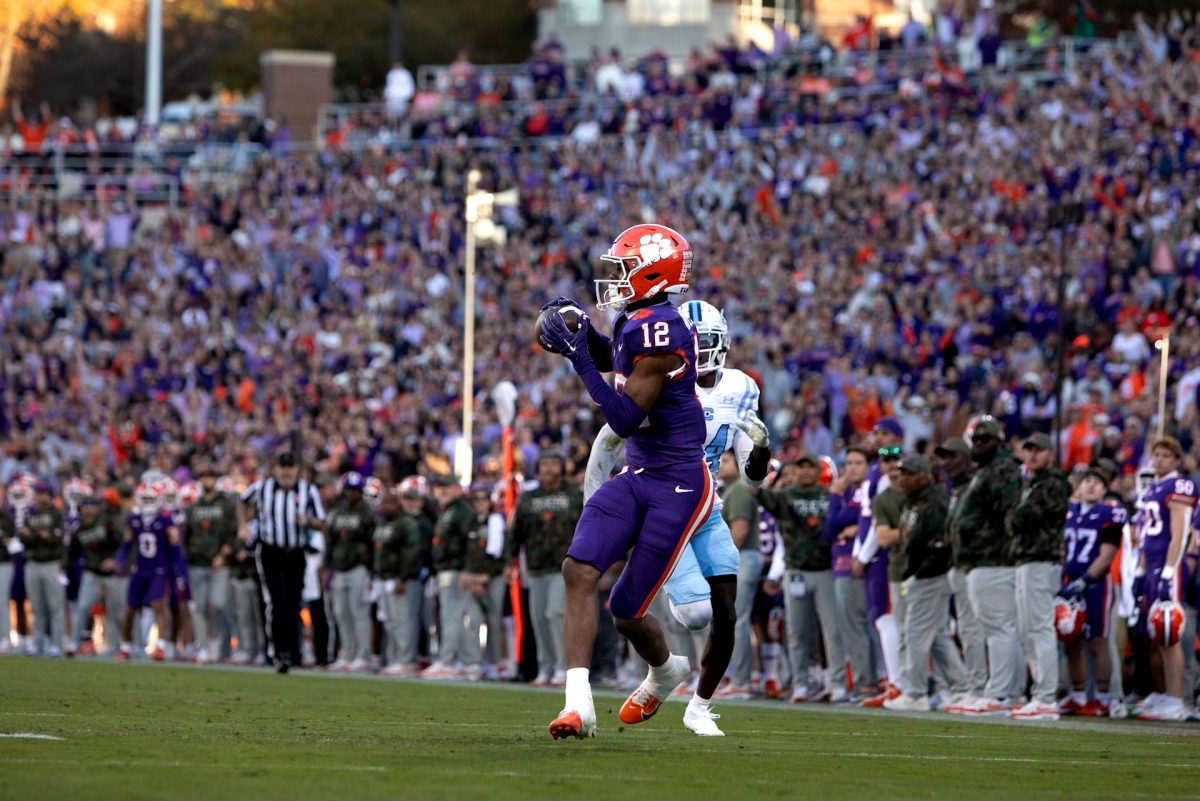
666 492
704 586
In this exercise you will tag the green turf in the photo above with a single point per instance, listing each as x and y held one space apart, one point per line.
153 731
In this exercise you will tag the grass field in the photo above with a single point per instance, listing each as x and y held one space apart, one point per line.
154 731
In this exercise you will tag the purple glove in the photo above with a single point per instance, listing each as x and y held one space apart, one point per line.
556 336
1166 590
1139 586
559 301
1073 589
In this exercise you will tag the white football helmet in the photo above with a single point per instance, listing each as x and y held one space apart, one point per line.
74 491
189 493
169 490
713 333
227 484
147 498
373 492
20 492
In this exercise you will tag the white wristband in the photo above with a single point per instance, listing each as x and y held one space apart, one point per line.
1167 573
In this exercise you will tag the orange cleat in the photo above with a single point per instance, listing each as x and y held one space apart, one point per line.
571 724
891 692
123 656
159 655
644 702
640 706
1092 709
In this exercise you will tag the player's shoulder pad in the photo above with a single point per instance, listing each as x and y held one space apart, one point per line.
657 329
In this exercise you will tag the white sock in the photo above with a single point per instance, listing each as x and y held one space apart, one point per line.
660 675
697 701
579 689
889 643
1102 697
126 647
1079 697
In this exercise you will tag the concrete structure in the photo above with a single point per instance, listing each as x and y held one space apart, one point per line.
295 84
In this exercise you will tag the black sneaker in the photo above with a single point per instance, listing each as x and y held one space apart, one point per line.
282 667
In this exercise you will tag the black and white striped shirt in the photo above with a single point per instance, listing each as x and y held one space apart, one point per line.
279 509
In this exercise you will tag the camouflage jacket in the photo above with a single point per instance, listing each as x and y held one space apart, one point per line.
800 513
476 559
399 547
544 523
43 535
350 536
98 541
958 488
924 533
210 524
1036 523
450 535
979 516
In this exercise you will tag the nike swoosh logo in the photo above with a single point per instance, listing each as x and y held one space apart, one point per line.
681 490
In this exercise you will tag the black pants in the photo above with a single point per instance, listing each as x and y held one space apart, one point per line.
320 627
282 574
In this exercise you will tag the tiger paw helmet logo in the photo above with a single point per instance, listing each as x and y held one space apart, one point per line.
653 247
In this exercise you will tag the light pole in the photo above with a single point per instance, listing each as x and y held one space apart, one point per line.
480 230
1163 346
154 24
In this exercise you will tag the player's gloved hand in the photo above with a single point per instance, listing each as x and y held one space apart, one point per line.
1139 586
1073 589
755 429
1165 591
556 336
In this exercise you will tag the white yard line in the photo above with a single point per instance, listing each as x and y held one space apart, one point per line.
27 735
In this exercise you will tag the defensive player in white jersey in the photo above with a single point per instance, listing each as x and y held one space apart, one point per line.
703 587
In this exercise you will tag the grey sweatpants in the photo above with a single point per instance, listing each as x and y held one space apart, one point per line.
547 602
352 613
6 577
453 645
816 595
926 634
749 574
1036 585
403 620
970 634
993 598
93 587
246 600
49 599
497 587
210 600
852 625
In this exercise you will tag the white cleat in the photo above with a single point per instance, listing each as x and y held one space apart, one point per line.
702 720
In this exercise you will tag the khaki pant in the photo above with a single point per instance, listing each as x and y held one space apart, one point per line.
352 612
1036 585
803 648
113 590
246 601
970 634
993 599
926 635
402 613
547 601
210 600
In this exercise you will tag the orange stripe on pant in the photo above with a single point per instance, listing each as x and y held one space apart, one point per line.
698 519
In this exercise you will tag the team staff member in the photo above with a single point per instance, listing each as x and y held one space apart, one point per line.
210 525
399 556
1035 531
984 544
800 511
99 536
845 510
954 456
349 553
287 507
43 535
886 508
543 524
451 535
924 560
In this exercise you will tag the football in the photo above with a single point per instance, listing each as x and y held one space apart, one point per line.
571 315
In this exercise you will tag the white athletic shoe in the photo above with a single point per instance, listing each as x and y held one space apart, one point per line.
1036 710
1170 710
358 666
701 719
908 703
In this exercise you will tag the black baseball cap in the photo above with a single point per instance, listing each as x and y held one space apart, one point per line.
286 459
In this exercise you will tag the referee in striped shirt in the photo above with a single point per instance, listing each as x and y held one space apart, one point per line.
287 508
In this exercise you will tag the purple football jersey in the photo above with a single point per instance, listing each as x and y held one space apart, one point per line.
674 431
1155 528
150 540
1087 530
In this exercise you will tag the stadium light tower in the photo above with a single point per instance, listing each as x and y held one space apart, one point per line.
481 229
154 26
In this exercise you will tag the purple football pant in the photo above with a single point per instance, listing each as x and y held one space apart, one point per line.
654 512
145 589
875 583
